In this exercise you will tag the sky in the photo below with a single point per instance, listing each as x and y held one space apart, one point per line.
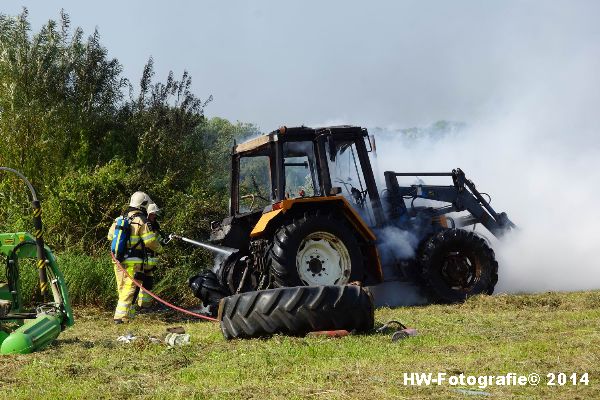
523 76
380 63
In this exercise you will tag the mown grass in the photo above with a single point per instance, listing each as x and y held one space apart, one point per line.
553 332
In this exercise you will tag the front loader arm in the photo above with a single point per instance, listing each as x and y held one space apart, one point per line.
462 196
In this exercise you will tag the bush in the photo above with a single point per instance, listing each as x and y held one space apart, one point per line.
81 206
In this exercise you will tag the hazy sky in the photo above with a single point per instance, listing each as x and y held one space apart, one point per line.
387 63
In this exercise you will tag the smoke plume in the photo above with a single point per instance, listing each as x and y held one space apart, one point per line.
532 141
537 156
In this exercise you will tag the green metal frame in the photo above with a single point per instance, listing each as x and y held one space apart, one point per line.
40 328
22 245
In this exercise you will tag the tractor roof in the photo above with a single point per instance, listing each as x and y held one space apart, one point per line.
298 134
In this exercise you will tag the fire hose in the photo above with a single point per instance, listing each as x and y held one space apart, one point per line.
164 302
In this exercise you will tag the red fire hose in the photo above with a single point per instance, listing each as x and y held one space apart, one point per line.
166 303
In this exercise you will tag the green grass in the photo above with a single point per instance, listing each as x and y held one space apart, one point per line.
553 332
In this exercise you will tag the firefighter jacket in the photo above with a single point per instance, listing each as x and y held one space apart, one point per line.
142 239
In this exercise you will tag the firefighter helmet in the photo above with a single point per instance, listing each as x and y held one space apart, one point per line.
139 200
153 208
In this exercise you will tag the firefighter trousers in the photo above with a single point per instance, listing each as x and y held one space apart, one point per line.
126 289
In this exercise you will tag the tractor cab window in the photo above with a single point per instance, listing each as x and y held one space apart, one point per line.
300 170
254 184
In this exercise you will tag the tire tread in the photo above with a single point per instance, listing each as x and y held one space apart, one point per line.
296 311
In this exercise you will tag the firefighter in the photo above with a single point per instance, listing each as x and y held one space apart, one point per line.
144 299
141 239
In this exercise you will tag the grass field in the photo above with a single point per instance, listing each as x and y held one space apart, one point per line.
545 333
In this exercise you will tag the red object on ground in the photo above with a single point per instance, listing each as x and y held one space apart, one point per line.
337 333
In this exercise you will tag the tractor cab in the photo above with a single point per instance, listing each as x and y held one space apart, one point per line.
297 163
301 196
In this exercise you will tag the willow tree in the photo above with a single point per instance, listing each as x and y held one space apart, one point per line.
59 95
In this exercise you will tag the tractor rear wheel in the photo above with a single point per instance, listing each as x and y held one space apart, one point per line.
457 264
316 249
231 272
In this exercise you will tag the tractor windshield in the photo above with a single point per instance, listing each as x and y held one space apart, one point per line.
299 164
347 173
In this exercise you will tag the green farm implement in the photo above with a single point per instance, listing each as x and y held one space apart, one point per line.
26 330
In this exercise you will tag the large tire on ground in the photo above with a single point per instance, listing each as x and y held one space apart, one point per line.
457 264
296 311
316 248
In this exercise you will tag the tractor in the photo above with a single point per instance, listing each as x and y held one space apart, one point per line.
305 210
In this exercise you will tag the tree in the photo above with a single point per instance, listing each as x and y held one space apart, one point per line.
58 97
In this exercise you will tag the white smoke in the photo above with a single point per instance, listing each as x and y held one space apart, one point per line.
538 157
533 144
396 244
532 139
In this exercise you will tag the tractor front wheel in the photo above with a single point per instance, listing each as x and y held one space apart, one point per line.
456 264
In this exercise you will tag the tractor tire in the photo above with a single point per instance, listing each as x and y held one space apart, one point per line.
457 264
296 311
230 272
315 249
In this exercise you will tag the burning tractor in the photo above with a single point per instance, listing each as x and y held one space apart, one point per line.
305 210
